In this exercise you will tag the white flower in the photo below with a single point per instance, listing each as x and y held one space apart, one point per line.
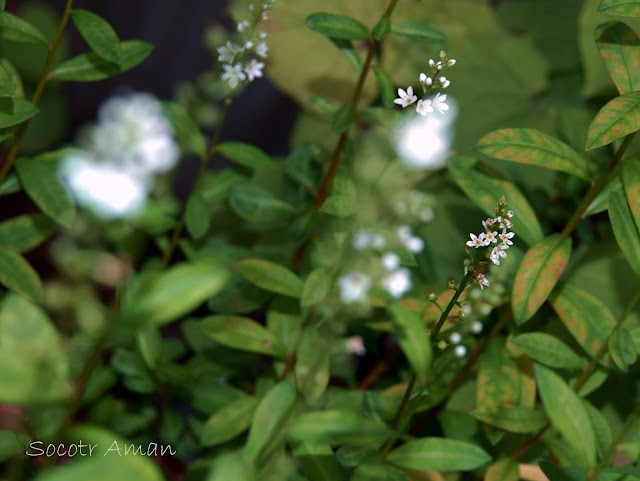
390 261
460 351
228 52
510 214
261 49
476 327
398 282
491 238
262 35
476 241
497 253
248 45
414 244
404 233
361 240
405 98
354 286
355 344
378 241
233 74
455 338
487 224
254 69
424 107
438 103
505 237
251 7
482 281
242 26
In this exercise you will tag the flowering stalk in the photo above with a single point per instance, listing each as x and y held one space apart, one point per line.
42 83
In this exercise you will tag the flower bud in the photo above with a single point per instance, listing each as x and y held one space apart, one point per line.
432 296
451 285
451 62
423 78
443 55
432 64
429 82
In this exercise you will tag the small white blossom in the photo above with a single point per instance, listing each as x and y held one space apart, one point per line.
497 253
261 49
242 26
482 281
361 240
404 233
414 244
390 261
233 74
476 327
455 338
228 52
491 238
510 214
355 344
460 351
438 103
405 98
505 237
487 224
378 241
442 55
248 45
262 35
398 282
424 107
354 287
254 69
476 241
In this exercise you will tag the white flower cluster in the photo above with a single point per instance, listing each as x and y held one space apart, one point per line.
130 144
428 82
489 236
237 68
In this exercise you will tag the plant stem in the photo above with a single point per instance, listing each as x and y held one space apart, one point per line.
584 375
595 187
204 162
42 83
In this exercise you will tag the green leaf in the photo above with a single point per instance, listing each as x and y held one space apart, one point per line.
625 8
231 467
43 375
322 105
484 191
530 146
417 31
98 34
161 298
618 118
337 427
22 110
11 185
18 275
601 428
270 276
108 462
42 182
241 333
216 187
312 365
228 422
337 26
387 90
185 129
567 413
499 379
7 91
18 30
439 454
25 232
197 216
12 443
547 349
269 418
316 286
537 275
601 201
619 47
245 154
90 67
258 206
149 343
382 28
584 315
631 183
622 349
413 339
339 205
557 473
2 5
503 470
515 419
625 230
343 118
349 52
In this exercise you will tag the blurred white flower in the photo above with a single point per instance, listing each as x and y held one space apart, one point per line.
476 327
254 69
423 142
427 214
228 52
414 244
261 49
242 26
398 282
355 344
361 240
378 241
233 74
390 261
460 350
354 286
455 338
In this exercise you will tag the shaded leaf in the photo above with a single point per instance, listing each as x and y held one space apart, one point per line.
631 183
618 118
245 154
149 343
484 191
413 339
312 365
18 30
185 129
259 206
619 47
625 8
622 349
22 111
316 286
515 419
537 275
601 428
270 276
25 232
625 230
337 26
228 422
601 201
231 466
90 67
197 216
18 275
530 146
98 34
503 470
241 333
337 427
439 454
382 28
348 50
547 349
567 413
343 118
417 31
387 90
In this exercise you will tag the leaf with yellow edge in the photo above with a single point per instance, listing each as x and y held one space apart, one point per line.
537 275
618 118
